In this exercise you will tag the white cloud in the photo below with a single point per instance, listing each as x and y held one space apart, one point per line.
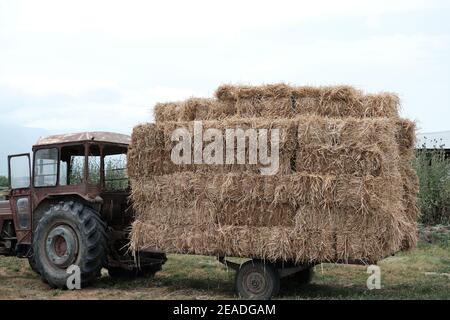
84 114
373 21
81 117
92 65
157 94
43 84
179 18
377 56
392 50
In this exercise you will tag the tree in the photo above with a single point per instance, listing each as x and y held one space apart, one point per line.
3 181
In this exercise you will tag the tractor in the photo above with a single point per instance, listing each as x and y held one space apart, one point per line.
69 205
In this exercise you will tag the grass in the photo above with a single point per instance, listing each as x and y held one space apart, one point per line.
403 276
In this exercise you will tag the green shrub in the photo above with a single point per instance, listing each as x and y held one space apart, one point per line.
3 181
433 170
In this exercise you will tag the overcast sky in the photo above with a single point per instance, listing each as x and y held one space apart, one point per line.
101 65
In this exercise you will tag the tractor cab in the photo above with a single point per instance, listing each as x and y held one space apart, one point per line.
72 183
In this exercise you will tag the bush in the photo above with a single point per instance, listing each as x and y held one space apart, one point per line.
3 181
433 171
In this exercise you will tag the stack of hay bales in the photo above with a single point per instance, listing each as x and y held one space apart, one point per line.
345 190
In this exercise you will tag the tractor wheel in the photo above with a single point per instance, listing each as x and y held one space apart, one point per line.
257 280
32 263
68 234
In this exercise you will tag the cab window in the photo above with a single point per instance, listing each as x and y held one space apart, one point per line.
45 167
115 168
71 166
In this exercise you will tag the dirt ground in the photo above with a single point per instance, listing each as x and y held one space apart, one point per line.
423 273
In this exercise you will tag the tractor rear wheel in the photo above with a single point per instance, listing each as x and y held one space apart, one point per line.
69 233
32 263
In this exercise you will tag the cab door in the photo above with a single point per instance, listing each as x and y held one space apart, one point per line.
19 172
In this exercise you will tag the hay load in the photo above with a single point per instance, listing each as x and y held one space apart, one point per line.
343 191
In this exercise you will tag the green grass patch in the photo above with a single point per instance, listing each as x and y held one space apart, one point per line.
403 276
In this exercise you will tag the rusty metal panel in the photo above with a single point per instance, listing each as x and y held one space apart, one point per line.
98 136
5 209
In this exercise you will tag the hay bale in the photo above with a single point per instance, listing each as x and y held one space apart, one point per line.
194 109
350 146
201 109
169 111
406 137
337 160
344 101
336 101
176 239
206 109
151 147
345 131
383 104
269 101
283 101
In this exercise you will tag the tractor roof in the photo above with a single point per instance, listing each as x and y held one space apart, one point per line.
99 136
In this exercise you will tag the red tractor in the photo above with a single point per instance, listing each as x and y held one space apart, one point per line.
68 205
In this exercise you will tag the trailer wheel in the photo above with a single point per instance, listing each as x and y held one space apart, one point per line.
257 280
69 234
